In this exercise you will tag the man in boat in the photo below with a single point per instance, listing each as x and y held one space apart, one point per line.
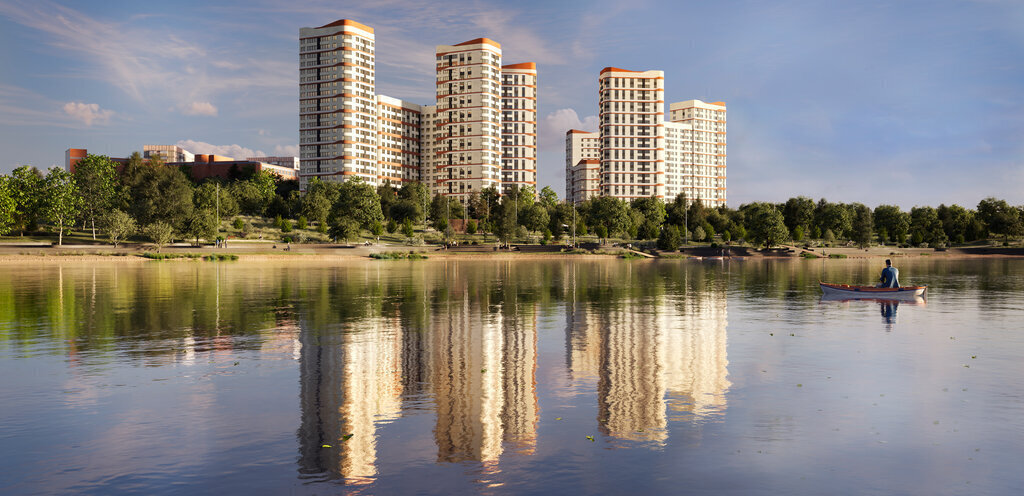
890 276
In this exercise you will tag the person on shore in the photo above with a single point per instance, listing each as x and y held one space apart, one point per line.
890 276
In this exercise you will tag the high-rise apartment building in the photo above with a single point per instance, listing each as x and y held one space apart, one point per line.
469 103
337 103
582 165
519 125
480 133
631 125
638 153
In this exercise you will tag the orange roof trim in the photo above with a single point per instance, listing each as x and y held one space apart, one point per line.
524 65
615 69
480 41
348 22
578 131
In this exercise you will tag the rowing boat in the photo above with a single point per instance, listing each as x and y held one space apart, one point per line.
904 292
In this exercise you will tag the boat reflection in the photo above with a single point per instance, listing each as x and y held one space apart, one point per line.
887 307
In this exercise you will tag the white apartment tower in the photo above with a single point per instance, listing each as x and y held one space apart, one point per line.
631 125
469 105
639 153
519 125
582 165
696 165
337 103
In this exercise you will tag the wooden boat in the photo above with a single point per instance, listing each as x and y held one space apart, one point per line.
871 292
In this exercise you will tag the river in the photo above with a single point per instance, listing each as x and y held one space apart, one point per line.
515 376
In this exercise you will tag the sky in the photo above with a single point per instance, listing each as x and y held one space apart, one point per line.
907 103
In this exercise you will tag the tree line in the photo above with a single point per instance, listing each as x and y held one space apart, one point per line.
162 203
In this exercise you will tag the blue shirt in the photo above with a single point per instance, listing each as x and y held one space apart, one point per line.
890 277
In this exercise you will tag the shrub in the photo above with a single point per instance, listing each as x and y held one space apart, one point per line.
238 224
286 226
302 223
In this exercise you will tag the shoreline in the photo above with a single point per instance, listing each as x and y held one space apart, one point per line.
11 255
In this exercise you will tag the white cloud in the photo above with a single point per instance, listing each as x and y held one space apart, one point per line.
88 113
233 151
286 151
553 127
199 108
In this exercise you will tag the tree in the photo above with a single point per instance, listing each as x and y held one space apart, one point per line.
8 206
255 195
471 227
957 222
158 193
609 212
201 223
765 224
357 201
862 225
96 179
238 224
535 218
676 212
892 220
699 234
833 216
62 201
548 198
344 228
407 229
377 228
320 196
798 212
829 237
999 217
652 215
669 239
160 233
119 225
925 227
388 197
286 226
27 190
210 195
798 233
416 193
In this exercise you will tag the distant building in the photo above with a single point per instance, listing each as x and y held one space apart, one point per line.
480 133
635 153
287 162
170 153
201 166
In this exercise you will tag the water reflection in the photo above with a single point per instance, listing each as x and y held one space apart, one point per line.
887 307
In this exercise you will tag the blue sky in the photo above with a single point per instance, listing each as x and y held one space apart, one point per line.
912 103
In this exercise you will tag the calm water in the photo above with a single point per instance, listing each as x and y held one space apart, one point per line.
509 377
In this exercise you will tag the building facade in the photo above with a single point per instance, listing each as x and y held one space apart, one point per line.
582 165
637 153
480 133
519 125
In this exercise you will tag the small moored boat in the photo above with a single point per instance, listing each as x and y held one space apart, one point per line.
904 292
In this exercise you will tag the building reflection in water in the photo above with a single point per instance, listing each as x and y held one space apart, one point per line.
482 362
476 360
350 383
655 359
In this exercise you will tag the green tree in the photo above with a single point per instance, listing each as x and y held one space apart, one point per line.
119 225
892 220
388 197
256 194
417 194
471 227
344 228
832 216
765 224
407 229
925 227
670 238
676 212
829 237
212 196
798 212
62 202
652 214
535 218
999 217
862 225
699 234
238 224
158 193
160 233
957 222
358 202
96 179
302 222
798 233
376 228
610 212
28 192
8 206
286 226
548 198
201 223
320 196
